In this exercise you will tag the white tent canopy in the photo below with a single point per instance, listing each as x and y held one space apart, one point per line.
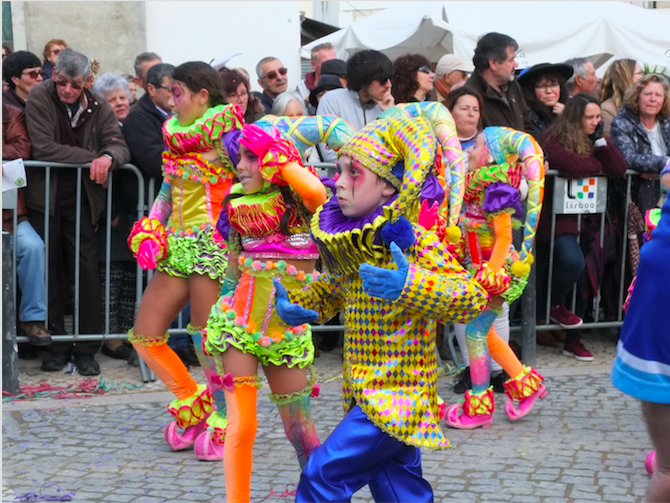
545 31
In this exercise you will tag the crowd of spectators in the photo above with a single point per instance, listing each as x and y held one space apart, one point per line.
56 109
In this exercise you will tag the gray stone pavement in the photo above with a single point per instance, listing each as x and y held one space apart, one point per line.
585 442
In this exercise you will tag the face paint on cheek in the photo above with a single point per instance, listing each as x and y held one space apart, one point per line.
358 180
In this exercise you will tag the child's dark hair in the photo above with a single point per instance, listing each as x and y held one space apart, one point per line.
366 66
288 199
198 75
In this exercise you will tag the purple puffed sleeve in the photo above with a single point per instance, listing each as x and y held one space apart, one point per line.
501 196
223 224
432 191
231 140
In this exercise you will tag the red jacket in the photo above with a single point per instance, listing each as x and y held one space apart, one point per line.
605 160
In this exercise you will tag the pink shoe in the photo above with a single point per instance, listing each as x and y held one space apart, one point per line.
179 441
527 387
205 448
650 462
476 411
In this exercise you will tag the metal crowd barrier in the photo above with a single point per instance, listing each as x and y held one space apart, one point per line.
141 209
528 300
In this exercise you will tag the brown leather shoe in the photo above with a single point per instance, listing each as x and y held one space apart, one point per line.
559 335
37 334
545 338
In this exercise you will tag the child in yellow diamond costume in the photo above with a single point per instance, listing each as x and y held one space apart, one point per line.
394 281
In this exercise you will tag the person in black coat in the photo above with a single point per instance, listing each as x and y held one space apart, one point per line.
143 128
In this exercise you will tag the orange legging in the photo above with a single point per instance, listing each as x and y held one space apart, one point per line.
503 354
239 446
169 368
498 348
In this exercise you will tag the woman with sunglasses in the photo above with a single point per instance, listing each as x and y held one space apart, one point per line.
21 70
51 51
412 78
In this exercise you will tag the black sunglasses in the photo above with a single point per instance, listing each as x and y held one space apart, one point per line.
34 74
423 69
273 75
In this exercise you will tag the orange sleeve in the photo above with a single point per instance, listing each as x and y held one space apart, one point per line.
308 186
502 228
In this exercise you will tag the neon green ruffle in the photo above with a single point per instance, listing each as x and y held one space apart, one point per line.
281 399
197 253
217 423
291 350
192 410
204 132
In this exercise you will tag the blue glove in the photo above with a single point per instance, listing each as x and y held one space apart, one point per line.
291 314
385 283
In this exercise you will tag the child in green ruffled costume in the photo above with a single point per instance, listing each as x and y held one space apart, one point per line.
266 223
179 239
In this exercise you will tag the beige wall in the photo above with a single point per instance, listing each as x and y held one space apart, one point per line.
112 32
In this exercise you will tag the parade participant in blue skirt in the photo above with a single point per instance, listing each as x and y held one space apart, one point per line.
642 365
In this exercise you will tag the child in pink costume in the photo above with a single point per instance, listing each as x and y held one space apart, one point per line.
178 238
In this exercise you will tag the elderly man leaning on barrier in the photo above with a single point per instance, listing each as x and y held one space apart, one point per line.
68 124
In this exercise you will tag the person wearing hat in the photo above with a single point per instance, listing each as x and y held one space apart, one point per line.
501 158
449 70
336 67
544 89
394 280
326 83
319 55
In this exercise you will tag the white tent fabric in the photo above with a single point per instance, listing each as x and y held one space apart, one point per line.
545 31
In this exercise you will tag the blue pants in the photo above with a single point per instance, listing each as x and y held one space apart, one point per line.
358 453
568 267
30 270
180 341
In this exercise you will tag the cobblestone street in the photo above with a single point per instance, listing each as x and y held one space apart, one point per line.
584 442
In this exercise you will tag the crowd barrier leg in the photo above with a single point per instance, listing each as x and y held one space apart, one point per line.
528 338
10 352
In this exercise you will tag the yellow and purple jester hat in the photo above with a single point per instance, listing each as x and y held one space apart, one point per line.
401 150
449 166
506 145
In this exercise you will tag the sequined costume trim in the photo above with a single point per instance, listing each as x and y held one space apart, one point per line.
281 399
344 252
144 340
